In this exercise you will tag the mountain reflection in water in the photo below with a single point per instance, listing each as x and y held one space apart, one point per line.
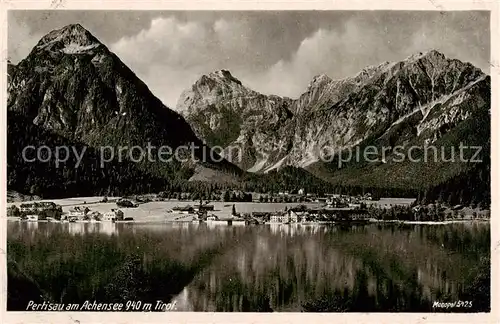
267 268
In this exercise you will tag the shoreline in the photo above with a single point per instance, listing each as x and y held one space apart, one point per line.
371 221
446 222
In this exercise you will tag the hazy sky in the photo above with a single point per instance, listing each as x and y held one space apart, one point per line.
272 52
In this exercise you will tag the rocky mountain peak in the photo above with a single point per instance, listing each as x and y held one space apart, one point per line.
431 55
71 39
220 76
212 88
82 88
319 80
370 71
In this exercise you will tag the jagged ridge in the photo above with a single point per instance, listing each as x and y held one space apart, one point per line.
433 92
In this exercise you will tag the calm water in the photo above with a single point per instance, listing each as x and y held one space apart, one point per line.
249 268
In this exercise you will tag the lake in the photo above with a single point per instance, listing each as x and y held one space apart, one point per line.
251 268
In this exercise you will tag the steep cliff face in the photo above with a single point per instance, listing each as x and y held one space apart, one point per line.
72 85
427 85
227 114
428 93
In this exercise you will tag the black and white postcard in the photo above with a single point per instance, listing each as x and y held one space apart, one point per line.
195 161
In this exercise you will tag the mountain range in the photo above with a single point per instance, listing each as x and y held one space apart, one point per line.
426 99
72 89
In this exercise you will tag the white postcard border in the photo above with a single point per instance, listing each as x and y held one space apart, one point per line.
191 317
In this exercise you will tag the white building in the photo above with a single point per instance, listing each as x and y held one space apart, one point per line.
280 218
77 212
212 218
293 217
37 207
25 208
113 215
109 217
32 218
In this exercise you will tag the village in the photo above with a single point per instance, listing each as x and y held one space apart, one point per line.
306 209
315 209
51 212
295 214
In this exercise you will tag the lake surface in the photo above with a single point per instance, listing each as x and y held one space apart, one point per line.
250 268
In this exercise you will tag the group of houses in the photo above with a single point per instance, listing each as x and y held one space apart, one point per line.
332 200
49 211
37 211
298 214
204 213
36 206
306 215
346 201
85 214
232 220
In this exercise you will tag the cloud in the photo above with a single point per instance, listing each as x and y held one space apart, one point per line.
455 41
20 40
343 52
336 53
281 58
273 52
170 55
167 41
